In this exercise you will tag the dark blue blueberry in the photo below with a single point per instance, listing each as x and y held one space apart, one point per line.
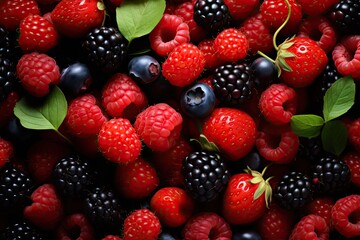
19 135
246 235
198 100
166 236
75 79
144 69
253 160
264 72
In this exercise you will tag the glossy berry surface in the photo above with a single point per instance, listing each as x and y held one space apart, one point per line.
264 72
144 69
75 79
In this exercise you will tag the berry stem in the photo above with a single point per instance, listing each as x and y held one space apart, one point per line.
63 136
282 25
265 56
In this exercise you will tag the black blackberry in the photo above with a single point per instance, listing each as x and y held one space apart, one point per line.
7 77
205 175
105 49
310 148
233 83
346 16
5 45
330 174
212 15
22 230
72 176
294 190
15 187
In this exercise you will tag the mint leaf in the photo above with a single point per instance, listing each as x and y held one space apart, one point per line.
47 116
306 125
136 18
334 137
339 98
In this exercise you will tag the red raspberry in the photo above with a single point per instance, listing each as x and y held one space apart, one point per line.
46 211
111 237
7 108
75 226
346 56
278 103
345 216
240 9
280 148
258 34
13 11
231 45
36 72
6 151
352 159
207 225
122 97
183 65
37 34
310 227
186 12
118 141
42 157
169 33
137 179
321 206
159 126
212 60
116 3
142 224
169 163
354 133
316 7
320 30
84 117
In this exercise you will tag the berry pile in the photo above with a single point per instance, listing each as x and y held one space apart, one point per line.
179 119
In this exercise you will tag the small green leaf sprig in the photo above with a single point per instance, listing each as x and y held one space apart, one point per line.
338 99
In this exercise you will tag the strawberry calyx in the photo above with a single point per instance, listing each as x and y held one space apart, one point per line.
205 144
264 185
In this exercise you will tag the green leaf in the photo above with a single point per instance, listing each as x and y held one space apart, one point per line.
339 98
136 18
334 137
49 115
306 125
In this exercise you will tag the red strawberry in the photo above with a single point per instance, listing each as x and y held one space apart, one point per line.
352 159
13 11
233 132
172 205
76 18
246 197
37 34
137 179
6 151
142 224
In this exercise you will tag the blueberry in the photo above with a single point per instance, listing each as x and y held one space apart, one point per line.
198 100
18 134
166 236
252 160
247 235
264 72
144 69
75 79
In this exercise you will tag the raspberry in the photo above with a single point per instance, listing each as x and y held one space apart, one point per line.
352 160
345 216
278 103
142 224
159 126
319 29
84 117
321 206
239 9
111 237
75 226
36 72
317 7
137 179
231 45
207 225
310 227
46 210
118 141
6 151
354 133
183 65
346 56
7 108
258 34
212 60
169 33
122 97
37 34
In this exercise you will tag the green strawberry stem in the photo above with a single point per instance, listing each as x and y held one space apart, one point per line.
63 136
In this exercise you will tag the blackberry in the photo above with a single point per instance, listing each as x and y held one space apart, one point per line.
15 187
310 148
233 83
5 45
22 230
72 176
212 15
105 49
205 175
330 174
7 77
294 190
346 16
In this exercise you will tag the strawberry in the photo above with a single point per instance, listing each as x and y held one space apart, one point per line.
76 18
246 197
